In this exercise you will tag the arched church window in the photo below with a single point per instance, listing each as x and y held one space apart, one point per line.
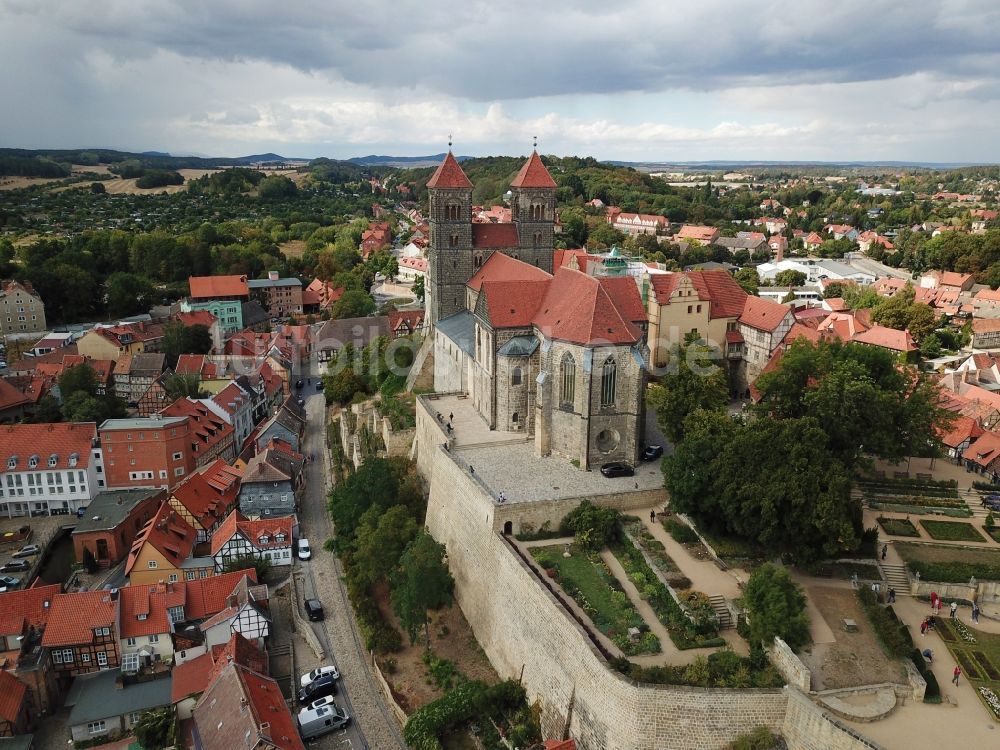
568 380
515 377
453 241
609 381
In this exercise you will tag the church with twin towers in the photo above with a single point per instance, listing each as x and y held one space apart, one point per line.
554 353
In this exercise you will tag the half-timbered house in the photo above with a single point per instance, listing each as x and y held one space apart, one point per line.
83 632
264 539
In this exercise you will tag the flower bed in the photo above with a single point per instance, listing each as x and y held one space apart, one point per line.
898 526
951 564
990 699
656 552
919 510
697 631
969 666
598 593
921 501
952 531
988 667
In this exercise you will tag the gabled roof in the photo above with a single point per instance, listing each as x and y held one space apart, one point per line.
887 338
501 267
580 309
210 287
620 290
207 596
10 397
144 608
209 493
512 304
192 677
494 235
985 450
207 429
74 617
98 697
26 607
253 531
726 298
65 442
533 174
12 692
763 314
169 534
962 428
449 175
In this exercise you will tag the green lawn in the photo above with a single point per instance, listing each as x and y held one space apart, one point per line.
995 533
952 531
979 654
599 594
898 526
950 564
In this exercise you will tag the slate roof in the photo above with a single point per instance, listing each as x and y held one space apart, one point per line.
519 346
110 508
461 329
98 698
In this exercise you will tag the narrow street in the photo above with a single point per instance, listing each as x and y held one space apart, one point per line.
372 725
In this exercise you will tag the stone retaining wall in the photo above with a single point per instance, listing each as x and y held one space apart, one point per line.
789 665
807 727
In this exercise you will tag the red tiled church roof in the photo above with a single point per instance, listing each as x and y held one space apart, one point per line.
500 267
533 174
449 175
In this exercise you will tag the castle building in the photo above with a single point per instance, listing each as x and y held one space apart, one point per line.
558 356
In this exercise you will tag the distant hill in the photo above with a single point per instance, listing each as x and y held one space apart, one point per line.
401 161
721 165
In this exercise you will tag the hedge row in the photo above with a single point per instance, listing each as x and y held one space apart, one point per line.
894 635
471 700
933 692
954 572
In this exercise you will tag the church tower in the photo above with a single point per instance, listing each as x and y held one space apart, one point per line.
533 211
449 264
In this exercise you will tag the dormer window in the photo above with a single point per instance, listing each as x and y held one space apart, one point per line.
264 539
279 538
33 461
53 460
140 617
73 459
12 463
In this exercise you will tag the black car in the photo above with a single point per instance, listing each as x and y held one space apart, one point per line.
314 609
298 383
319 384
325 685
652 452
15 565
617 469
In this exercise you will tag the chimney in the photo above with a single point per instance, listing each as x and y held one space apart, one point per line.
114 595
780 255
272 276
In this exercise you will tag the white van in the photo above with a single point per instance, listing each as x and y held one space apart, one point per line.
318 721
304 551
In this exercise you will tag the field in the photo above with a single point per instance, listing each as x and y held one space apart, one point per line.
16 183
952 531
293 248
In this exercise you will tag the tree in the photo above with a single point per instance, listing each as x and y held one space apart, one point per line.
155 729
97 188
692 382
81 407
421 582
748 279
418 287
930 347
185 385
127 294
789 277
89 563
376 484
593 527
180 339
834 290
379 542
261 565
276 186
354 303
776 606
341 387
77 379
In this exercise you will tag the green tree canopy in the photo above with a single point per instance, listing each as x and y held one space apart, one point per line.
78 379
155 729
692 381
776 607
180 339
748 279
184 385
354 303
380 540
421 582
261 565
418 288
789 277
128 293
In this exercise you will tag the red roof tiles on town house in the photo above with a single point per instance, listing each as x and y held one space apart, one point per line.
195 318
208 494
962 428
213 287
191 677
207 596
10 397
726 298
12 694
494 235
208 429
533 174
563 257
887 338
143 609
449 175
26 607
168 533
67 444
74 617
500 267
763 314
985 450
253 531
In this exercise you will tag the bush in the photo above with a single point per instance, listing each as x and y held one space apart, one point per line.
760 738
892 634
154 178
470 700
721 669
680 531
442 672
952 531
954 572
933 692
898 526
592 527
776 606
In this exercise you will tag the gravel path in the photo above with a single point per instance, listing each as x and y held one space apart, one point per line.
373 725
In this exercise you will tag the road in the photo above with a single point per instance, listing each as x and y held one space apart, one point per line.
373 726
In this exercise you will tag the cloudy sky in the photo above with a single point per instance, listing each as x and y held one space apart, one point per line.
631 79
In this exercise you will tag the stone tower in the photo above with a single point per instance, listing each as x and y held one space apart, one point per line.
533 211
449 264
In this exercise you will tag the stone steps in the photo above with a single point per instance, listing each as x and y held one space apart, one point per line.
495 443
882 703
718 603
896 577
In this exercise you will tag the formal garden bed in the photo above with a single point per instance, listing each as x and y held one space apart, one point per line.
685 536
950 564
656 552
847 570
952 531
978 653
691 626
893 505
927 487
898 526
586 579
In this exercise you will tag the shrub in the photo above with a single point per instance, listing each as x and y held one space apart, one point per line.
776 607
892 634
592 527
898 526
471 699
760 738
442 672
952 531
680 531
933 692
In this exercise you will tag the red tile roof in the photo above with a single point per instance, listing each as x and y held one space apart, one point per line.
887 338
763 314
169 534
985 450
500 267
560 745
726 298
843 326
449 175
211 287
207 596
533 174
10 397
578 308
620 289
61 440
985 325
962 428
191 677
513 304
210 493
406 320
74 617
195 317
563 257
494 235
699 233
12 693
253 531
26 607
151 603
208 429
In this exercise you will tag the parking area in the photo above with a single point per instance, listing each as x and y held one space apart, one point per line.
18 533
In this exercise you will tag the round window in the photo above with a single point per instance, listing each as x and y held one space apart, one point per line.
607 440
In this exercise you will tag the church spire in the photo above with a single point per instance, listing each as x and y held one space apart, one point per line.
449 174
533 174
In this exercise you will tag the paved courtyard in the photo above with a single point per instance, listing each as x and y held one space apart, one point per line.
522 476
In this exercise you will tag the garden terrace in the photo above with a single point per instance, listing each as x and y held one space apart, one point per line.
898 526
950 563
952 531
978 653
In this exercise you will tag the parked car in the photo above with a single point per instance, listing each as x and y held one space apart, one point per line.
617 469
298 383
326 700
15 565
301 402
992 502
319 384
315 674
324 719
314 609
652 452
28 550
325 685
304 552
8 582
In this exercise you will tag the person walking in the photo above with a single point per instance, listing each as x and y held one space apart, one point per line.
885 550
956 674
652 516
975 612
928 655
892 596
923 627
954 610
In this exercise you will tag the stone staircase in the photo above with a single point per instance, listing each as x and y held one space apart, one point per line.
896 577
718 603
